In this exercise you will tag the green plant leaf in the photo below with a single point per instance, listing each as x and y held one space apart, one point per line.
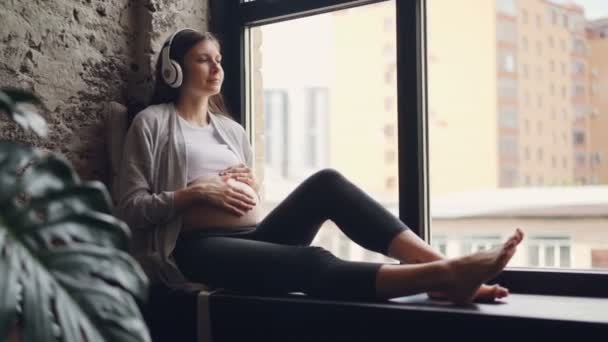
19 105
30 119
65 271
6 103
22 96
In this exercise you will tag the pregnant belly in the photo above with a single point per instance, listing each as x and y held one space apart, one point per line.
203 215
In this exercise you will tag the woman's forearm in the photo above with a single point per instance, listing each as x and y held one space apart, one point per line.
185 197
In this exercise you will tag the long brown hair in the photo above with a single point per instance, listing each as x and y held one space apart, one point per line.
181 44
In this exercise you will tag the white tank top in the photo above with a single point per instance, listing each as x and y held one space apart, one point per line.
206 154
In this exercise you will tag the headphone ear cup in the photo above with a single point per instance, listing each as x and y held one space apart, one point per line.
177 80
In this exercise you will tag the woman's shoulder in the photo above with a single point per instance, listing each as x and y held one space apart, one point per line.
152 114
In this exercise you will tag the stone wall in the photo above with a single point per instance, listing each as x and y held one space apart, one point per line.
79 54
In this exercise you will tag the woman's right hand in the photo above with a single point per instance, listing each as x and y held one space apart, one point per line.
221 191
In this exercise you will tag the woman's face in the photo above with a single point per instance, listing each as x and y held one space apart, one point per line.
203 70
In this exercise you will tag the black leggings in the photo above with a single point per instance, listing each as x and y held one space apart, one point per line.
275 256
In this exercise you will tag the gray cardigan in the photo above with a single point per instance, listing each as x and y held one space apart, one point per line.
153 167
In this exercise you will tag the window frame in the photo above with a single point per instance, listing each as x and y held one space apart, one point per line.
230 20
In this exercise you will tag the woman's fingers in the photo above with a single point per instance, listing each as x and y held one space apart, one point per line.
241 205
233 209
243 197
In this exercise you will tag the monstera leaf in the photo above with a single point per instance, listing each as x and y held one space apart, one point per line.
64 271
16 103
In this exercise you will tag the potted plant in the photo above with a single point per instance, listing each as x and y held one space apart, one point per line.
65 274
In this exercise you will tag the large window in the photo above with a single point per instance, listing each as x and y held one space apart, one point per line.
481 108
327 103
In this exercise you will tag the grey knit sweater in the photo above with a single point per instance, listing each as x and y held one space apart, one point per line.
153 167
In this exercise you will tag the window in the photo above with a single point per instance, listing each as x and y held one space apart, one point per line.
506 61
506 6
317 113
508 117
465 80
477 243
507 89
549 252
276 144
578 46
579 138
578 67
313 115
506 31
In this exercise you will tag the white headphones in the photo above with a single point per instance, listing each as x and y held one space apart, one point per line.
171 71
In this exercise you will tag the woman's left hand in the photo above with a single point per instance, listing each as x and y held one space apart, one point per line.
241 173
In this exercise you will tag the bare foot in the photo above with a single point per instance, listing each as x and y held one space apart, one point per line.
485 293
469 272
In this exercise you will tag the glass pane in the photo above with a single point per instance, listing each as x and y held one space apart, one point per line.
533 257
324 96
517 115
549 256
564 256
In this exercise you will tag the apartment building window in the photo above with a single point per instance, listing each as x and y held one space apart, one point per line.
579 138
506 61
276 111
539 48
563 67
551 42
507 88
563 44
552 92
539 154
539 128
508 117
477 243
578 67
506 31
525 70
578 46
539 101
553 17
538 21
524 43
581 159
317 114
527 153
578 90
508 145
596 158
549 252
506 6
524 16
551 65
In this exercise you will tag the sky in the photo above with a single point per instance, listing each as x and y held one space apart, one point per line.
593 8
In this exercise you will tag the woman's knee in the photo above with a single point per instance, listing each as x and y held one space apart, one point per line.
327 177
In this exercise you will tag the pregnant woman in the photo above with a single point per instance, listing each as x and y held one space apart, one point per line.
188 194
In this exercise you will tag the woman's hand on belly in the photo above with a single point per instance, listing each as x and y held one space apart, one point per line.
229 204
